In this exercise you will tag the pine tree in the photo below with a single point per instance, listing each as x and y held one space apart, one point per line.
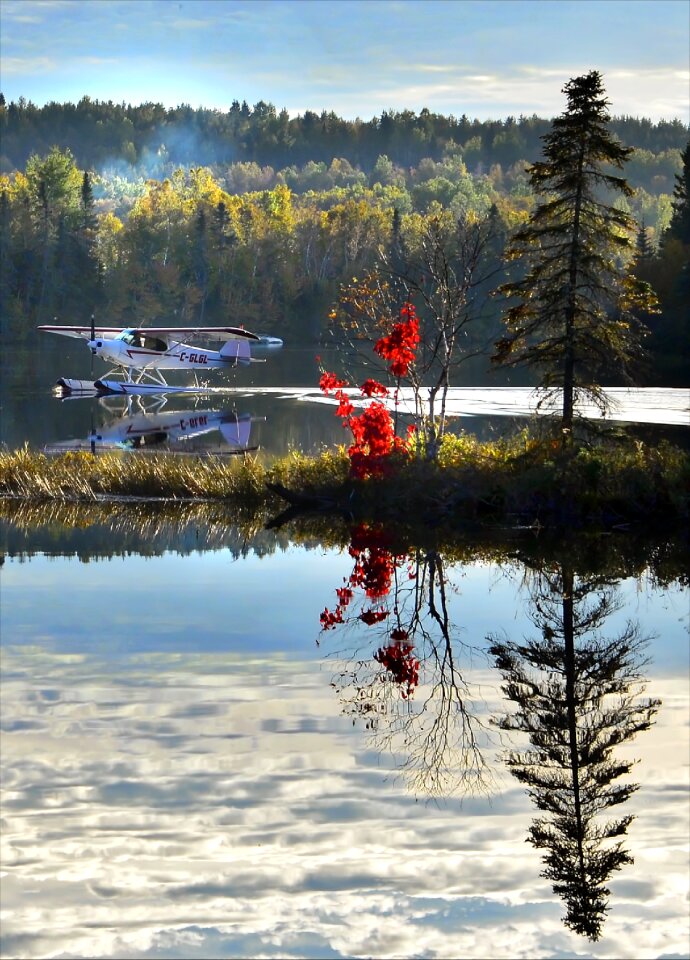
670 341
679 227
643 247
573 319
85 240
7 267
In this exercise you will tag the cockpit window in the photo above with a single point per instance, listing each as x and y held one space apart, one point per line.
153 343
137 338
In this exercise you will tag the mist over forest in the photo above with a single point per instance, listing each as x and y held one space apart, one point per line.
147 139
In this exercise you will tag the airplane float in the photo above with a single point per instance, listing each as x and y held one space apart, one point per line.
175 429
138 355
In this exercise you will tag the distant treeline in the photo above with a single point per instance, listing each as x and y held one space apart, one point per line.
105 135
144 215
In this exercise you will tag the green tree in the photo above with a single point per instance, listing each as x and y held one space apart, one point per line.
54 187
643 246
679 227
670 339
7 269
572 315
88 289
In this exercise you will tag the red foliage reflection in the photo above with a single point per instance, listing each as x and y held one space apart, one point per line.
399 660
373 573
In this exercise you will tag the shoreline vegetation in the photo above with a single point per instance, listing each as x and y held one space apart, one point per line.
524 481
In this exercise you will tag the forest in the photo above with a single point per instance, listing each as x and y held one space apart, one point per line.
140 214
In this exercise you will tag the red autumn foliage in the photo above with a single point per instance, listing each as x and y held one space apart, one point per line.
345 406
330 618
400 346
330 382
374 563
373 432
373 572
372 388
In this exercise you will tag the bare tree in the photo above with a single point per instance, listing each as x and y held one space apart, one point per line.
444 266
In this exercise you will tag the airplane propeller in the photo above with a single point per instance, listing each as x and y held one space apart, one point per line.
93 337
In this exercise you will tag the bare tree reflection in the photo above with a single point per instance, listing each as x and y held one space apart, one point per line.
407 688
578 696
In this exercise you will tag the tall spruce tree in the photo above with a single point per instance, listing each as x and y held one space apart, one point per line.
643 245
572 315
577 695
679 227
670 272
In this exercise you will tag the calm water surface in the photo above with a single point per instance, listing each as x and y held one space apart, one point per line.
271 407
193 768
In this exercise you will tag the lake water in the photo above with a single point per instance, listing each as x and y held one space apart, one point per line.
270 408
193 767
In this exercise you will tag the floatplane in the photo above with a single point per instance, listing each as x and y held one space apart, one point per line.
139 355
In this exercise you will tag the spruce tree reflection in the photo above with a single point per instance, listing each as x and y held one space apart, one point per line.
407 687
578 697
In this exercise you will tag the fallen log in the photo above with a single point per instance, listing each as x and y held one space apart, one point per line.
302 503
305 500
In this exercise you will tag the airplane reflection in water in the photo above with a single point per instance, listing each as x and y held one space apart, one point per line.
174 431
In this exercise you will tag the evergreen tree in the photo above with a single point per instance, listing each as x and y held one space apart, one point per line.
86 252
670 341
7 267
679 227
201 261
576 693
573 319
643 247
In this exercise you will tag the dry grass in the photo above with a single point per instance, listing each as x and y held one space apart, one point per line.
85 476
523 478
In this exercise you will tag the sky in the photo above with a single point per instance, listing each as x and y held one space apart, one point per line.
357 58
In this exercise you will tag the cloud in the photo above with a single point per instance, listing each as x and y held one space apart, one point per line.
25 65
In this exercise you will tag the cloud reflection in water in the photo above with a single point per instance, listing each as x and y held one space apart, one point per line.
177 804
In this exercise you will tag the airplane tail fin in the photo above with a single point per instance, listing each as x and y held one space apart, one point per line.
237 350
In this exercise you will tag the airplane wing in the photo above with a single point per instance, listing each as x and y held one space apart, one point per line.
83 332
214 333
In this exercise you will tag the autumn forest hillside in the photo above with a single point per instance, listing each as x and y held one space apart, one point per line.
143 214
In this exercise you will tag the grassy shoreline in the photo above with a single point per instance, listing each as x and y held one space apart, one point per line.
523 480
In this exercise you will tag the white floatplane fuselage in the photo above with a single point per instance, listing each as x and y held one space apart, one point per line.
139 355
145 350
